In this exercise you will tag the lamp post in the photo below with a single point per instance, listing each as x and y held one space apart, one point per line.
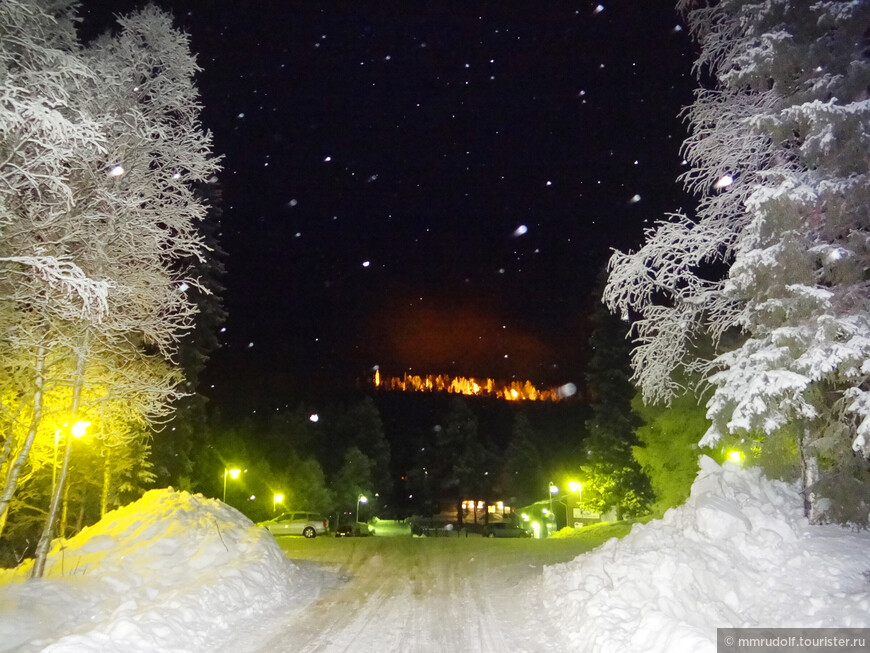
233 474
553 489
573 486
78 430
278 498
360 499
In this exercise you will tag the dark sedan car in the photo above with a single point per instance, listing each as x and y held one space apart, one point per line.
502 529
354 530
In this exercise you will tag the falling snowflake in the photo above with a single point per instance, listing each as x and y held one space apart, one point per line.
634 200
521 230
724 182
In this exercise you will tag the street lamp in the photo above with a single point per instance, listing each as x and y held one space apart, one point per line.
735 456
360 499
233 474
573 486
553 490
79 430
278 498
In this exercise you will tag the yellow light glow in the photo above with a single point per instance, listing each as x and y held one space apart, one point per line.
234 473
279 498
735 456
79 429
574 486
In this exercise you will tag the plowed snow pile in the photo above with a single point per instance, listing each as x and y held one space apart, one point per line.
170 572
739 553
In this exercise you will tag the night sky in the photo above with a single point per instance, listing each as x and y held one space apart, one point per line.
427 186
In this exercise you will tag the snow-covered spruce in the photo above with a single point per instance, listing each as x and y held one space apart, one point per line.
778 155
170 572
738 553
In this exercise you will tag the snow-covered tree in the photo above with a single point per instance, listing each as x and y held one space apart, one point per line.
779 250
100 147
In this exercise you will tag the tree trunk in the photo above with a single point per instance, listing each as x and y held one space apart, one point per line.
809 477
10 435
45 539
107 477
64 511
15 470
44 543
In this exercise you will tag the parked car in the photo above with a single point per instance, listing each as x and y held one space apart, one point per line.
307 524
354 530
504 529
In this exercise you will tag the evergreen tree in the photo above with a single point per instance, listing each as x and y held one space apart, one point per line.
354 479
611 476
522 475
175 444
778 156
461 459
667 449
370 439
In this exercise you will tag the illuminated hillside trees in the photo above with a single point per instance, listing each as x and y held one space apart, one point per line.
780 247
99 149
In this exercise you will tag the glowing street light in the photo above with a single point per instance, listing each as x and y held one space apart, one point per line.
278 498
233 474
360 499
736 456
79 430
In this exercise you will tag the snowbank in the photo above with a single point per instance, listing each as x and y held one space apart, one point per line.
739 553
170 572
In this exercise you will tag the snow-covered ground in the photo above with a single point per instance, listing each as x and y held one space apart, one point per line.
175 572
170 572
738 554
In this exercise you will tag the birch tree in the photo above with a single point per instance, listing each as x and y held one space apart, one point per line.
99 149
778 157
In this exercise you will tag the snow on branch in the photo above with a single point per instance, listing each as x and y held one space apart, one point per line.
63 274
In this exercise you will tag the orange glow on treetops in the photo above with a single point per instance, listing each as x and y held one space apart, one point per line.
509 391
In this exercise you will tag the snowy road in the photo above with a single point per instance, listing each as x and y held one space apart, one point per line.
408 594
